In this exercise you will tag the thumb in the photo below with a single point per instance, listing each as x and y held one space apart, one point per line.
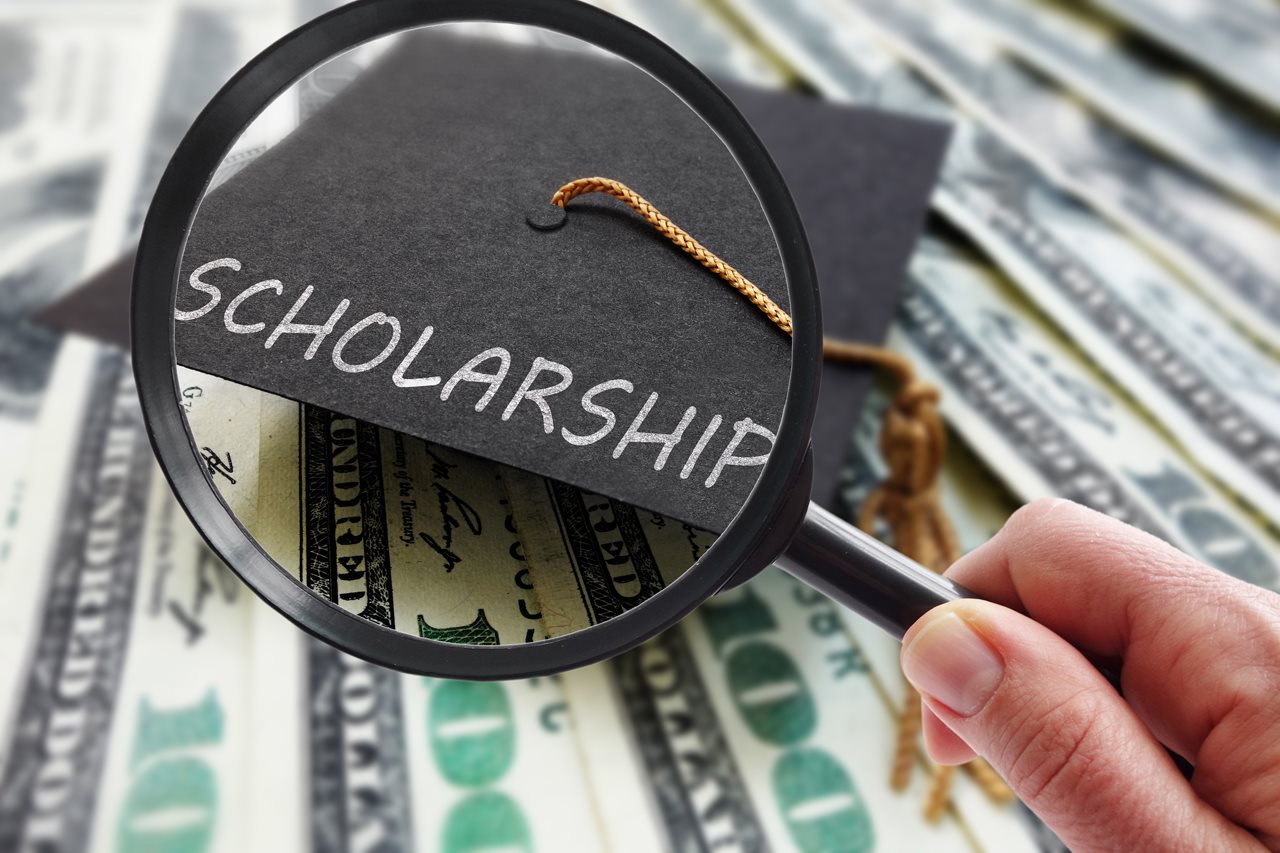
1051 724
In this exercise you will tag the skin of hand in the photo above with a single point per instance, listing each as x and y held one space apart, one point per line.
1015 679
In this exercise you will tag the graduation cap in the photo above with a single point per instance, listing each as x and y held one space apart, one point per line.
400 214
391 260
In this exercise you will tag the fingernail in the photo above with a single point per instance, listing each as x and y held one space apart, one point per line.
951 663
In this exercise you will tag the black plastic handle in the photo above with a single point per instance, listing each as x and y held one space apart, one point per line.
863 574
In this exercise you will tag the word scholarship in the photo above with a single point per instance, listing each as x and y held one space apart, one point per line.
744 444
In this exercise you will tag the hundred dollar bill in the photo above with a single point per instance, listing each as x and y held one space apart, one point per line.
278 768
208 44
1218 395
1224 139
67 74
31 274
400 763
496 767
753 725
1238 41
592 557
152 71
1222 247
181 738
403 532
106 560
355 769
85 72
223 418
1048 425
127 723
68 70
94 468
419 537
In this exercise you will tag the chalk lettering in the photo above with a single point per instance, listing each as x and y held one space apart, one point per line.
589 406
668 440
215 295
228 316
489 369
398 379
380 319
318 332
728 457
468 373
700 446
539 395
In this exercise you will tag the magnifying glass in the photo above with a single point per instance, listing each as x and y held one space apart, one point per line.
481 339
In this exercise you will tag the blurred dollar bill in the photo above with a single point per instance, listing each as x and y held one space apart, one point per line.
127 695
65 80
208 44
1225 139
419 537
1238 41
65 77
126 78
1050 426
1229 252
399 763
1217 394
755 725
95 98
125 670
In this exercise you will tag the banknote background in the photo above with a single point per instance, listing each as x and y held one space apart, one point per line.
1096 295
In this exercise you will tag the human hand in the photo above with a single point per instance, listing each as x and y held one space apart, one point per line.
1198 654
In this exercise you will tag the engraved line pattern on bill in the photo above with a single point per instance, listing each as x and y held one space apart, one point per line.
1221 245
82 633
1226 140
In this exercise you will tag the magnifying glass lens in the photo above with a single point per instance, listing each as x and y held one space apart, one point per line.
482 336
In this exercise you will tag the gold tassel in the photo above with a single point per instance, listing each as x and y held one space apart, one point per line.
939 795
906 750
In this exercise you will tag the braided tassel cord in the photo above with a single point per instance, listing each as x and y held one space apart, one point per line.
908 741
678 236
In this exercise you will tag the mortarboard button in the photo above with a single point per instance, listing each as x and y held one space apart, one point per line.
546 217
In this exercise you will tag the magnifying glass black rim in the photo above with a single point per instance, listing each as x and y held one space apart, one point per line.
156 270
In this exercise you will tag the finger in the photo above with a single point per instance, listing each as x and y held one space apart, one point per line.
1200 650
1060 735
944 745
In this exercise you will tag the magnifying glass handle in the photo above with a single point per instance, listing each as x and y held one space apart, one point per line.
863 574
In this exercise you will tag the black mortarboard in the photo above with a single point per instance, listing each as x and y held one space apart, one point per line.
407 197
861 180
447 244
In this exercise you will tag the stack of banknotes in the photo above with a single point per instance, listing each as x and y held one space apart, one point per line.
1097 295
